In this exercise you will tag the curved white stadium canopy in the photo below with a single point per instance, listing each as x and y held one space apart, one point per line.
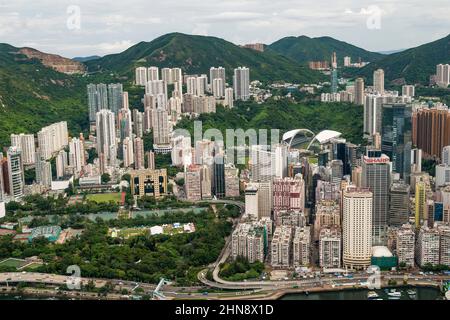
323 137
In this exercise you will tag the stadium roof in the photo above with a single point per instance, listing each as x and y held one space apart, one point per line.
323 137
381 251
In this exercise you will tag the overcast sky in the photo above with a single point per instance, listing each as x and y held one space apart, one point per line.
105 27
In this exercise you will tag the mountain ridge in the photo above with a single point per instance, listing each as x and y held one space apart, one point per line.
196 54
304 49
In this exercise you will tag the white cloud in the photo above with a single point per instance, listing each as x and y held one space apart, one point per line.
105 23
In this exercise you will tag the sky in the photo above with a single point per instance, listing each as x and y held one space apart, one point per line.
99 27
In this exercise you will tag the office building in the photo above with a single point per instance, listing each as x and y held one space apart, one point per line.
330 247
357 228
396 141
376 175
241 83
399 204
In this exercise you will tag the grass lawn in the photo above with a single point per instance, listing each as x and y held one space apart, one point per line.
105 197
12 262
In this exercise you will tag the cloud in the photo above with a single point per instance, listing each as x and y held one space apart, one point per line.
105 24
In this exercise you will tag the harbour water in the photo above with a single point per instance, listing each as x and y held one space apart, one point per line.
421 293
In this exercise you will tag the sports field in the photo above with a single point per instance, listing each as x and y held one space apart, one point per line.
105 197
12 262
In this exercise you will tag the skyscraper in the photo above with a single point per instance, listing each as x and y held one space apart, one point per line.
43 172
359 91
52 138
77 158
139 160
141 76
431 130
378 81
241 83
443 75
399 204
396 136
97 99
115 97
16 175
219 176
128 152
376 173
25 142
357 228
421 207
218 73
153 74
229 98
218 90
161 131
106 136
330 245
193 185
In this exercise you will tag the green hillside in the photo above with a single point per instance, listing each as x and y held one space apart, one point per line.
196 54
303 49
32 96
414 65
285 116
